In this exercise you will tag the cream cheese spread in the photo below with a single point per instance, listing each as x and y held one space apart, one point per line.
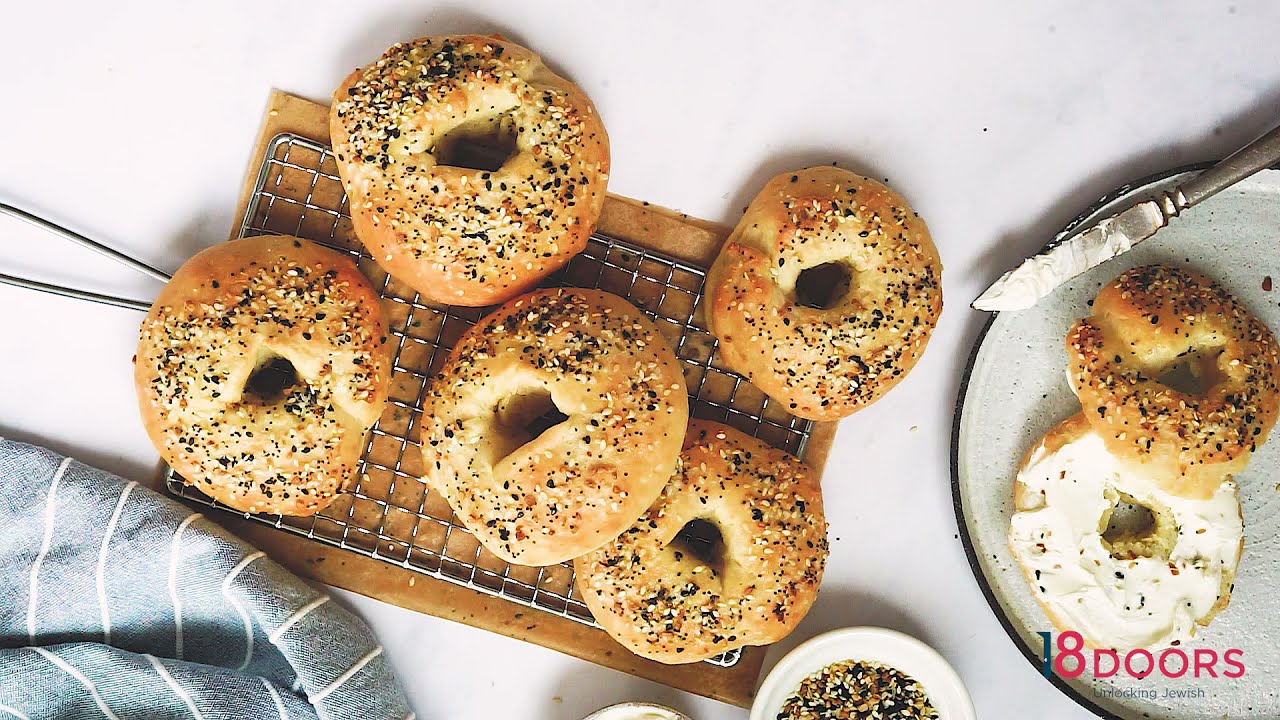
1119 603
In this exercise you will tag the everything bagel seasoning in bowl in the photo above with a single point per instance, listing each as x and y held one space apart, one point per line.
860 673
858 690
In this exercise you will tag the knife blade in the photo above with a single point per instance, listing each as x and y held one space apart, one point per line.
1040 275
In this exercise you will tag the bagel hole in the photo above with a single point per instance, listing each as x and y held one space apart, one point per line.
481 144
1131 529
824 286
1193 374
269 381
523 417
702 539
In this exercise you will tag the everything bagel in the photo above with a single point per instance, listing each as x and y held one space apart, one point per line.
675 601
459 234
1146 322
825 359
541 498
1131 587
260 369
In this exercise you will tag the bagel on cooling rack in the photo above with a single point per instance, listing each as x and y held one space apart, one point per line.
260 369
473 171
1120 587
554 423
825 293
677 598
1146 323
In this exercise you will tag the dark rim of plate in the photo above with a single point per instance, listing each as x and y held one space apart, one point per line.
963 527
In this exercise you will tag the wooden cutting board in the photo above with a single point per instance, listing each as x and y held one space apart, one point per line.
676 235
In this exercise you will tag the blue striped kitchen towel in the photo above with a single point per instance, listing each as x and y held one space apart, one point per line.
119 603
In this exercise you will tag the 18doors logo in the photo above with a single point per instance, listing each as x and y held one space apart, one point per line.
1071 660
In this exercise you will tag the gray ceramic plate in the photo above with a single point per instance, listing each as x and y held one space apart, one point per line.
1015 390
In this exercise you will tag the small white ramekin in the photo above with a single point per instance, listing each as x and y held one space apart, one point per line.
636 708
868 644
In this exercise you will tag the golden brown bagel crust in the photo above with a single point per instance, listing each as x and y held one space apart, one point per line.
825 364
232 309
661 601
1143 322
457 235
570 489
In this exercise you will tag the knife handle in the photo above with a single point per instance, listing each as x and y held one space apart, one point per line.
1257 155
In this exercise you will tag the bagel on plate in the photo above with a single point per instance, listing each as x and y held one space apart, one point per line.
1145 583
1147 323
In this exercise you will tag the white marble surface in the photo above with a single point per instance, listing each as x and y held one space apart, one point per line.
132 121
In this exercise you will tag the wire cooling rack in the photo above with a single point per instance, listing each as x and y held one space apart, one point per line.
391 515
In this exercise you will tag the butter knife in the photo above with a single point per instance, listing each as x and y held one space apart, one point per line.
1036 277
